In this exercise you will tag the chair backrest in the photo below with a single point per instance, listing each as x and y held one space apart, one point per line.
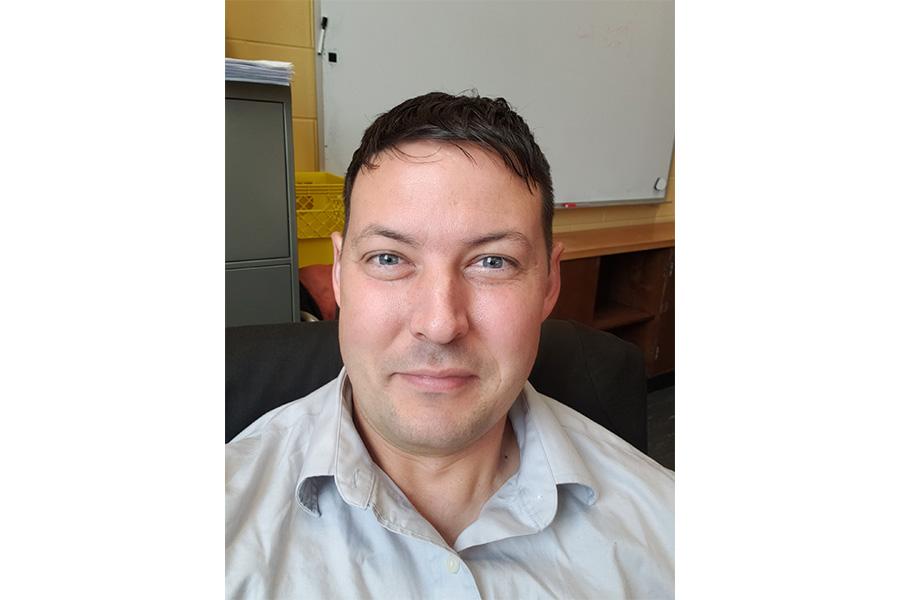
594 372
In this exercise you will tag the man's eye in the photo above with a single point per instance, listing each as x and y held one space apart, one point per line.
387 260
493 262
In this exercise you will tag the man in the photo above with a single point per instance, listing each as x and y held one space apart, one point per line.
430 467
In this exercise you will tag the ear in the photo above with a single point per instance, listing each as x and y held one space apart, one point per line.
553 279
337 241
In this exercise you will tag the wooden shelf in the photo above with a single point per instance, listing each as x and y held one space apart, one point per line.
616 240
621 279
618 315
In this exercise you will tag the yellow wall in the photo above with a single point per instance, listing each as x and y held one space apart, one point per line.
281 30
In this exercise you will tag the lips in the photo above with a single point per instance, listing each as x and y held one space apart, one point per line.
437 381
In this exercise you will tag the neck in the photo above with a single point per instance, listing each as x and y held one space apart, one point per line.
450 489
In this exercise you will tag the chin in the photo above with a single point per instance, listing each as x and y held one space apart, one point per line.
451 428
445 442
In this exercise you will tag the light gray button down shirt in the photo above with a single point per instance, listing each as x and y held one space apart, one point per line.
310 515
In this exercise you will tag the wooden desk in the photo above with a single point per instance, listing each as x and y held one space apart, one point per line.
622 280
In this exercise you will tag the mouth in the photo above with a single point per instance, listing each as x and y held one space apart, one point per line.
437 381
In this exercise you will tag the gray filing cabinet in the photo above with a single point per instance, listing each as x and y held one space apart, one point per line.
260 219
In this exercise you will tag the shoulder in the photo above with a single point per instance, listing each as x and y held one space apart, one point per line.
583 429
284 430
631 501
610 461
625 497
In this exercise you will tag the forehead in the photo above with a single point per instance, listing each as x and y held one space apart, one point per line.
424 181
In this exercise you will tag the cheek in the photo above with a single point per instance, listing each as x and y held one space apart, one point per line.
371 311
509 321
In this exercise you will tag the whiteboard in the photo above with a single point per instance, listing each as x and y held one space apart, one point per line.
593 79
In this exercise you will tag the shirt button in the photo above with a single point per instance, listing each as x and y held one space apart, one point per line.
452 564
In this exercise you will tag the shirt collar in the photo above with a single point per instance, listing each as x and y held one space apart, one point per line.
563 460
548 458
528 501
336 451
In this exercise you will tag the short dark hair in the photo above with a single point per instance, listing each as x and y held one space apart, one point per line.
485 122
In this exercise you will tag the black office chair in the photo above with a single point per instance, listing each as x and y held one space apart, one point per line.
596 373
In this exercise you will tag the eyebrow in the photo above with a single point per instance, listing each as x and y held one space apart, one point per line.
500 236
380 231
375 230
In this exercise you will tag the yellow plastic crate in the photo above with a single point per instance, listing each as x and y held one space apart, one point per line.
314 251
320 204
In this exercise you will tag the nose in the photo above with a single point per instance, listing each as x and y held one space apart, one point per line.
439 308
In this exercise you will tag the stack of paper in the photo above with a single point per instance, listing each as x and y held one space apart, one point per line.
259 71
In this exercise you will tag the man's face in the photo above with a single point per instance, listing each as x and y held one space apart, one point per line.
443 282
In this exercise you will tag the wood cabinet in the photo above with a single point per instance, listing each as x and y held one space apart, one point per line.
622 280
